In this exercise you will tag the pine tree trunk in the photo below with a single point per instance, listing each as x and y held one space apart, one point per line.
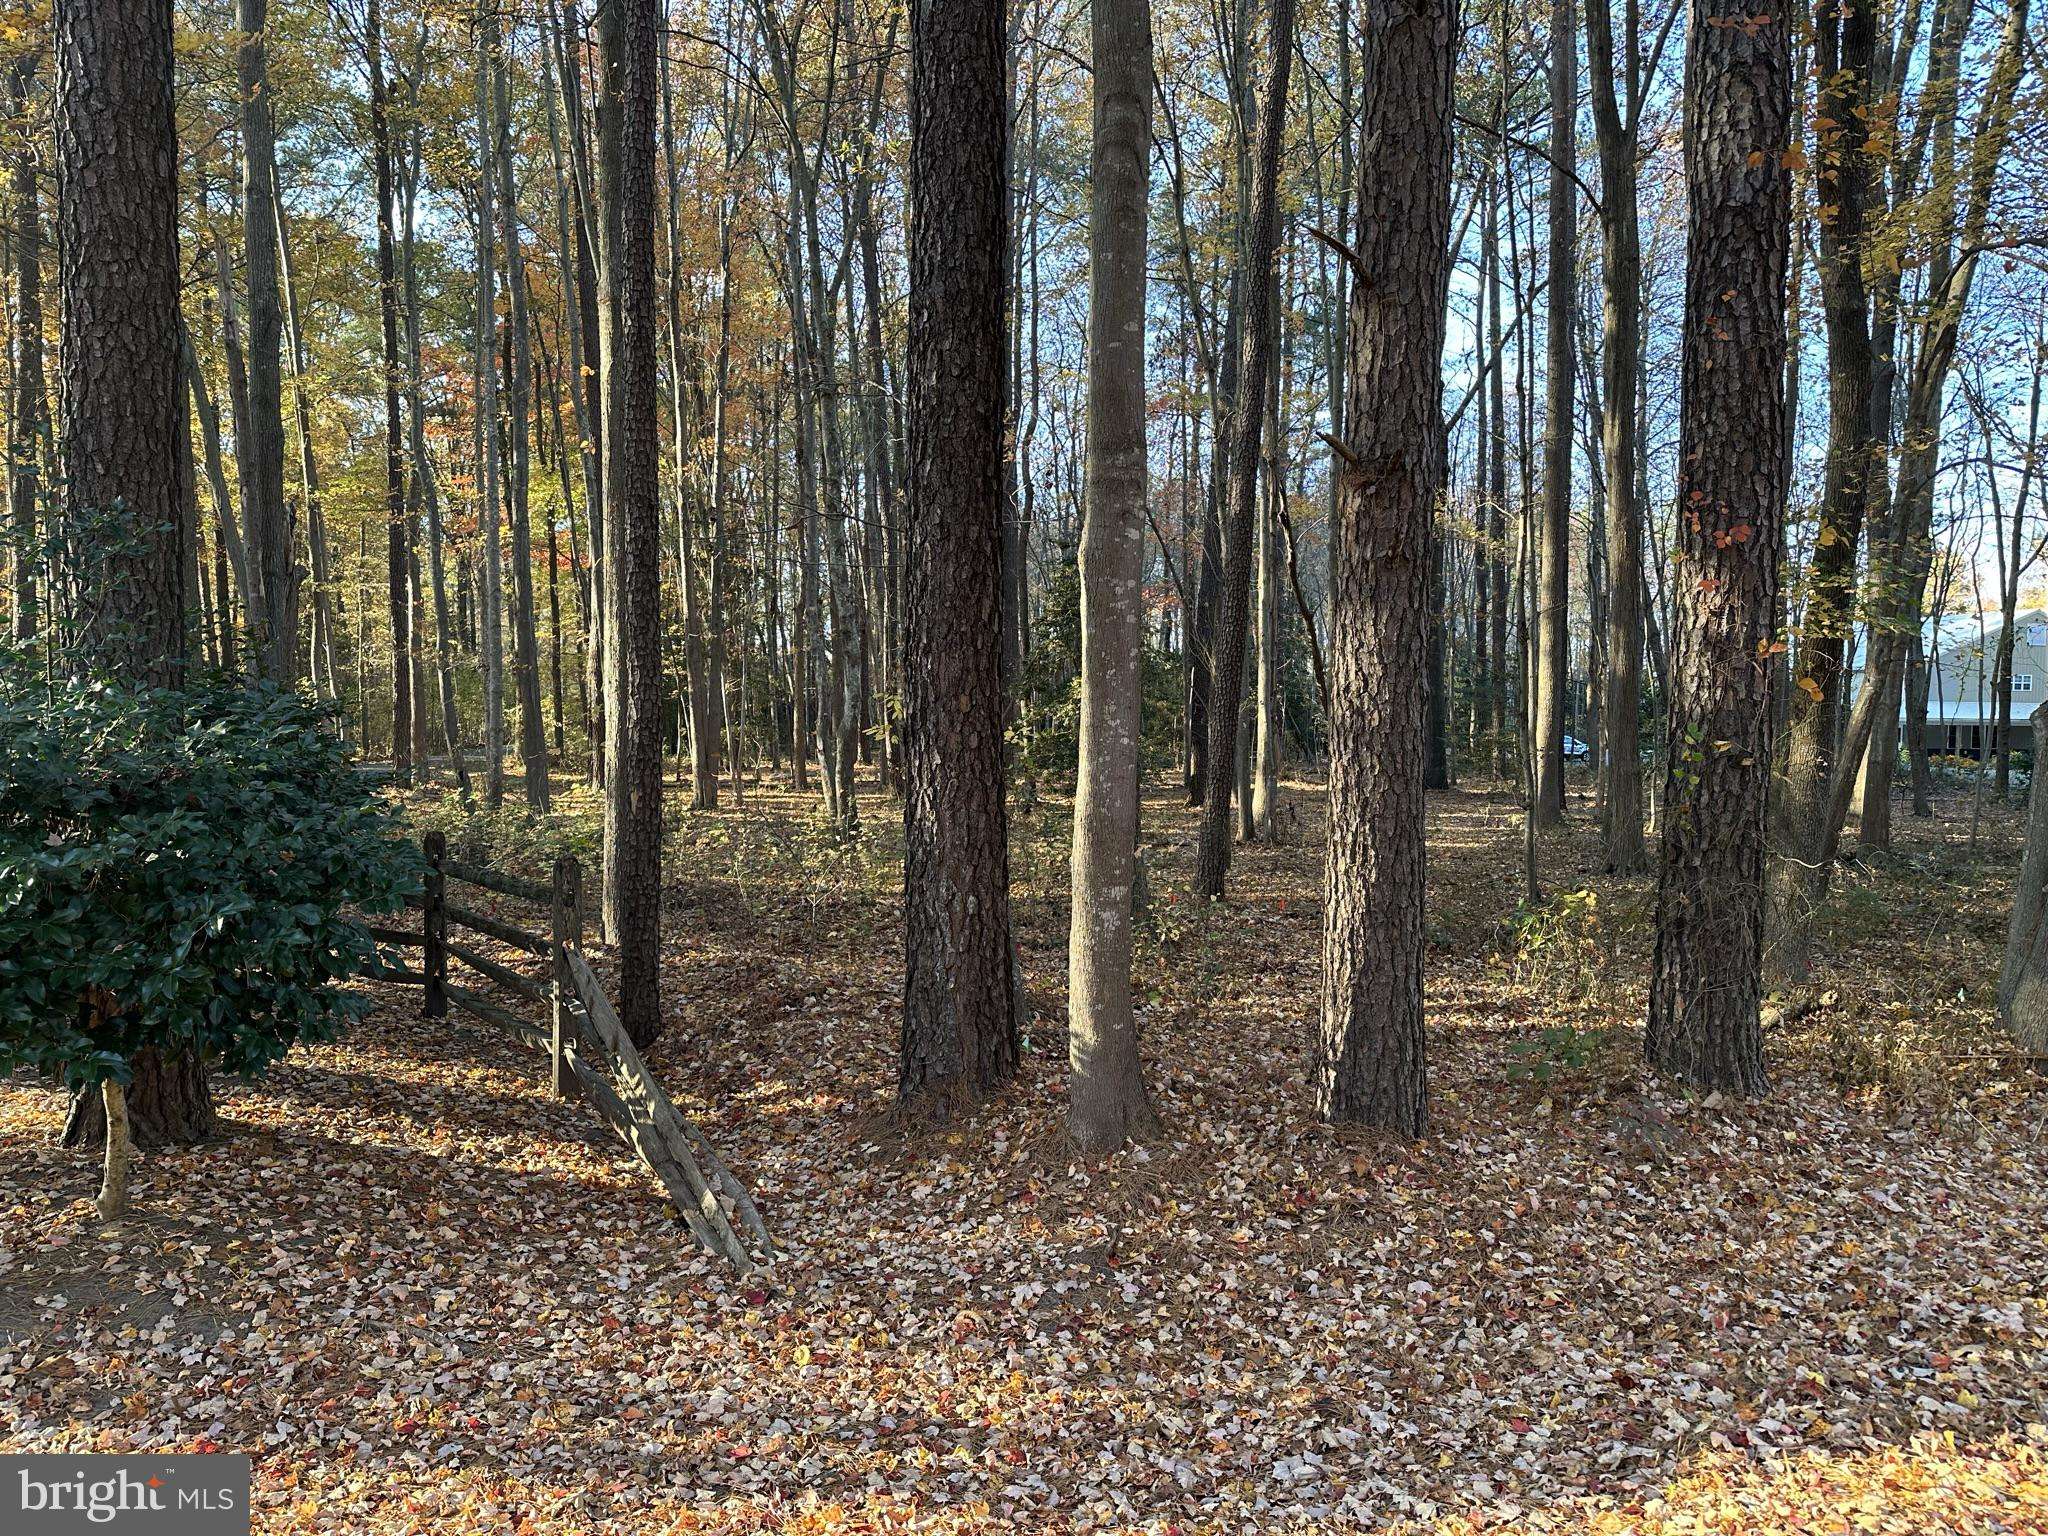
959 1037
1107 1104
169 1102
121 403
1369 1065
629 37
29 404
1706 986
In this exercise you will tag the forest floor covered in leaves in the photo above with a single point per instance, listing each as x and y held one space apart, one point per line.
426 1297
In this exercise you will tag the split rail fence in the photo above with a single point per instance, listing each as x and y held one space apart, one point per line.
589 1053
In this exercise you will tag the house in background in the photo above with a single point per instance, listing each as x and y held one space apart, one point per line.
1961 651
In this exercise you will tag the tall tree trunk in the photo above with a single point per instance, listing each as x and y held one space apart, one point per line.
1247 417
1706 983
487 439
326 681
1369 1064
227 539
1554 531
1107 1104
397 545
1846 38
1497 470
1620 767
274 628
1958 243
686 427
959 1004
28 443
629 38
123 435
586 369
2023 976
1268 703
119 355
424 491
533 742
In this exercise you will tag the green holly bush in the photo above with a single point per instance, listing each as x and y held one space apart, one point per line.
185 870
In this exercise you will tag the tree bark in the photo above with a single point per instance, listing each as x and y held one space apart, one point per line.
122 446
2023 977
274 630
1106 1100
1620 767
1706 986
169 1101
489 506
629 38
398 557
29 405
1554 528
326 680
959 1038
1845 41
1369 1062
1247 416
533 743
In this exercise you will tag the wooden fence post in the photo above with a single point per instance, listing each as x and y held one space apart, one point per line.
434 926
566 925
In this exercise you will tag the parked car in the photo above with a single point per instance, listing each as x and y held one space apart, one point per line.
1576 751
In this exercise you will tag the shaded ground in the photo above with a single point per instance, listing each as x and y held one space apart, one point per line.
428 1298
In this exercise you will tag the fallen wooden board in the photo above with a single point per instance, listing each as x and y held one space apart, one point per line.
654 1115
652 1132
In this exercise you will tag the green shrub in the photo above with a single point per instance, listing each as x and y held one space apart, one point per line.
178 871
1553 1050
1047 738
1561 945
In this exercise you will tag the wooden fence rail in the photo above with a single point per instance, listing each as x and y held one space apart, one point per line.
589 1053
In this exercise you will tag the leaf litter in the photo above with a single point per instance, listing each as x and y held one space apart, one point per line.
425 1297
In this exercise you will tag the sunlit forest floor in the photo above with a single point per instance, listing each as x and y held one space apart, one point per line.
426 1297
